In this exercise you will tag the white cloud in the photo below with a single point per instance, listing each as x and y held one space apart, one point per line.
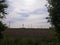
27 12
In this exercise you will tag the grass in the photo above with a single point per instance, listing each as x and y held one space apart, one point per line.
29 41
47 37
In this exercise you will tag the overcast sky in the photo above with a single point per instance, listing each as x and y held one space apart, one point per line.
31 13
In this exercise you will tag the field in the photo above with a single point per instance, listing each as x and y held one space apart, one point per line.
29 36
24 32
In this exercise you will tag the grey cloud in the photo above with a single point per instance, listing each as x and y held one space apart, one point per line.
37 11
23 14
13 20
40 11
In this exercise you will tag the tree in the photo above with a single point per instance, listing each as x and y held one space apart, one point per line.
3 6
54 10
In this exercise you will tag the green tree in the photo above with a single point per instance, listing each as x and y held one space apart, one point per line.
54 10
3 6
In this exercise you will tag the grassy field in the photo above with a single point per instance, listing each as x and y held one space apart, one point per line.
29 37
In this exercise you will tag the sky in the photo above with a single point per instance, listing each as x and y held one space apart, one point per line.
31 13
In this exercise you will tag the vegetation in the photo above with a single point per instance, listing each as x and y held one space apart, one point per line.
54 10
29 37
2 15
29 41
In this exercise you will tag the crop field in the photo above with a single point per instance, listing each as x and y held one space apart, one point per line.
28 36
32 33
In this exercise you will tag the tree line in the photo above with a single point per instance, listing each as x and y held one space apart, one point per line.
3 6
54 13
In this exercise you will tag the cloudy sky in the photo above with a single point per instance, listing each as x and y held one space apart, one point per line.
31 13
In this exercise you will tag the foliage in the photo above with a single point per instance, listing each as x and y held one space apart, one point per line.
3 6
54 10
2 27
